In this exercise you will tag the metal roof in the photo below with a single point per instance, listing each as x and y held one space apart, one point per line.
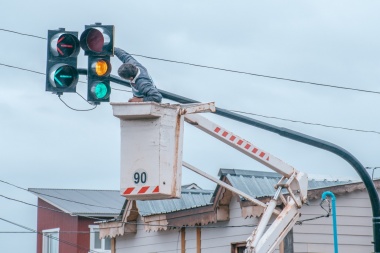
189 199
108 203
98 203
261 184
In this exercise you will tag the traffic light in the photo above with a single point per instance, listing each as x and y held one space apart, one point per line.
99 69
98 43
61 66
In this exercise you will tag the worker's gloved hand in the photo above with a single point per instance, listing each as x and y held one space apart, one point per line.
136 99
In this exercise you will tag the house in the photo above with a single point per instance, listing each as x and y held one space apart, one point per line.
220 221
66 219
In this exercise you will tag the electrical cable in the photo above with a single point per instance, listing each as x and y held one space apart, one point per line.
53 210
307 123
68 200
24 34
78 110
49 236
10 66
121 90
260 75
168 226
328 213
289 120
230 70
59 96
60 231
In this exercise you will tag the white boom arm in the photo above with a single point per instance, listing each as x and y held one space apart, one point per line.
263 239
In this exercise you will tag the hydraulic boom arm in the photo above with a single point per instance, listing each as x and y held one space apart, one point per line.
265 238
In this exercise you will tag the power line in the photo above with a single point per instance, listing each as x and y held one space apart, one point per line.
50 209
60 231
230 70
68 200
24 34
307 123
260 75
59 96
10 66
272 117
50 236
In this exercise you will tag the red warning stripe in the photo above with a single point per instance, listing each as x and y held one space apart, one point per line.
129 190
141 190
247 146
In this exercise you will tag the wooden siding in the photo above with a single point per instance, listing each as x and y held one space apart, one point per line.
354 218
214 240
48 219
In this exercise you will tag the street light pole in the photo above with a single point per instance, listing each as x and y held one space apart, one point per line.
373 169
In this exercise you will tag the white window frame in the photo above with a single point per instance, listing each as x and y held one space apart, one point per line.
95 228
45 239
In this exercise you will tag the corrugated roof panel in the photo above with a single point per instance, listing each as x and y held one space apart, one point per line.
107 203
263 186
98 202
189 199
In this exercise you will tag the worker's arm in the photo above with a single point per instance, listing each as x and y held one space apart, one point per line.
125 57
148 90
144 83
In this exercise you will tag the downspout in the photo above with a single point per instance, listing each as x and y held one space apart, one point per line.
335 229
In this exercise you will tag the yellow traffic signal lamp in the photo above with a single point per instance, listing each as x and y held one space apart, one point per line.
101 67
61 66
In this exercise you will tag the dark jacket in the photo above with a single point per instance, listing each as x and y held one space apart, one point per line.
142 85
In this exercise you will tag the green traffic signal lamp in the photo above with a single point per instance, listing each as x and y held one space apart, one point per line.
100 92
98 39
63 77
99 69
61 66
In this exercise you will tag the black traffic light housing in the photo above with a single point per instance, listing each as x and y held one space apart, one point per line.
97 41
61 66
98 73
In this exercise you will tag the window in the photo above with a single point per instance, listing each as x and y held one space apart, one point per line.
96 244
50 240
238 247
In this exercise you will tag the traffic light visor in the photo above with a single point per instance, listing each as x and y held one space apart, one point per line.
94 39
64 45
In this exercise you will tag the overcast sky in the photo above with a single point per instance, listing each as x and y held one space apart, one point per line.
44 144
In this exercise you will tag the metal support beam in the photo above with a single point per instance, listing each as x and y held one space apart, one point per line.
227 186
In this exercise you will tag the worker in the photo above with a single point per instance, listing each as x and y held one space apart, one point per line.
142 84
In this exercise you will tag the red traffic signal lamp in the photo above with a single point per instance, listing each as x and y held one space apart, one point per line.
98 39
98 73
61 66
